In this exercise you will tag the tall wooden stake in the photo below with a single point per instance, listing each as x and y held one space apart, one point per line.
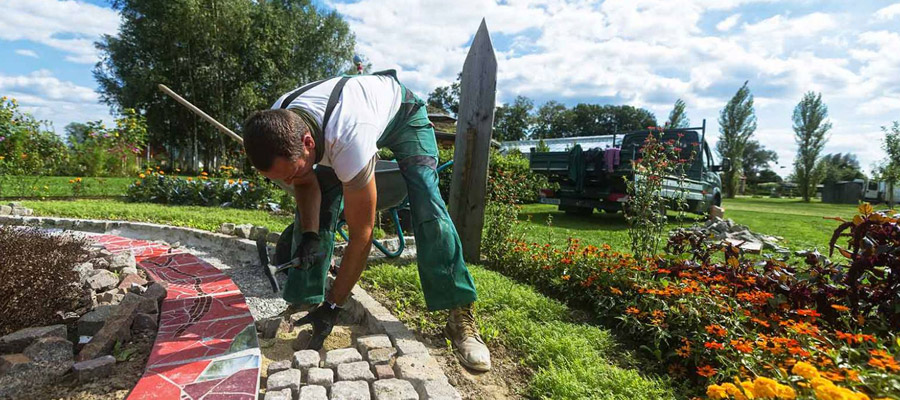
477 95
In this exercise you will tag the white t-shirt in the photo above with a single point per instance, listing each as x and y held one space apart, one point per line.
366 106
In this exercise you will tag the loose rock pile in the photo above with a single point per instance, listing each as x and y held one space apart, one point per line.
726 229
122 303
249 231
16 209
375 368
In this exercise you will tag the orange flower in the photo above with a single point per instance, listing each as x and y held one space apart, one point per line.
706 371
840 308
614 290
809 313
632 311
714 345
743 346
717 330
566 277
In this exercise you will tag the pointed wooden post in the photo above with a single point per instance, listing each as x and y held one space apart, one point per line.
478 91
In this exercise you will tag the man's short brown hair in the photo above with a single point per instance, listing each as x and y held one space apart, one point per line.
273 133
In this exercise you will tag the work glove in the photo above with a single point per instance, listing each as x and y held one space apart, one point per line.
322 320
309 250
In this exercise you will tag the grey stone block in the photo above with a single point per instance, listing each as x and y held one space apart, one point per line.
278 366
243 231
110 297
268 327
305 359
5 210
320 376
283 394
438 390
287 379
381 356
144 305
273 237
102 280
312 392
89 324
121 260
410 346
227 228
394 389
130 270
366 343
92 369
350 390
155 292
355 371
129 281
341 356
50 350
418 369
17 341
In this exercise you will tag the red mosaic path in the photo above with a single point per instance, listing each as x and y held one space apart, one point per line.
206 346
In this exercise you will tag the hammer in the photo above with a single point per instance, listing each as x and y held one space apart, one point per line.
271 270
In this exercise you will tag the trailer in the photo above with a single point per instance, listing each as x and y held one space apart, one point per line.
595 178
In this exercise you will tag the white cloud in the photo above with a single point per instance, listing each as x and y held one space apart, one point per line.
70 26
26 53
728 23
888 13
49 98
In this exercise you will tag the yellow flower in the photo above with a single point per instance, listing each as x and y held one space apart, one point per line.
77 179
189 179
162 173
137 183
805 370
71 181
2 158
142 176
733 390
716 392
765 387
231 181
786 392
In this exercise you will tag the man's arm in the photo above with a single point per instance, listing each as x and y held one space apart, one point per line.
309 200
359 210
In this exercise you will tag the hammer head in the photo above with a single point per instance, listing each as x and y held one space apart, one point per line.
268 269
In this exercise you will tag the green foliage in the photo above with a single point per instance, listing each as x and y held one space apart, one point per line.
678 118
810 129
509 178
228 58
839 167
645 210
570 359
156 187
542 146
27 147
737 123
445 98
889 169
101 151
511 120
755 159
550 120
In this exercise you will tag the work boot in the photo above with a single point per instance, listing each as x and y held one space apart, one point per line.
462 330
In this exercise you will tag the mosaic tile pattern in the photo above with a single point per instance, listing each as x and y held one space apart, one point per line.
206 347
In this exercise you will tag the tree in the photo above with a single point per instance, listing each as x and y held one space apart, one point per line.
76 132
889 169
840 167
446 98
511 121
678 118
756 159
810 130
550 121
593 119
737 122
228 57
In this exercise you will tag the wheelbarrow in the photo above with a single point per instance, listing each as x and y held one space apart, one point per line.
392 197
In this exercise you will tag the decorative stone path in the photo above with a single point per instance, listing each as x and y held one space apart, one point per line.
206 346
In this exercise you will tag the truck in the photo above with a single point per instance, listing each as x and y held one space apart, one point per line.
880 191
595 178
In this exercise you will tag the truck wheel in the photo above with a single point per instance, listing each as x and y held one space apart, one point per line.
283 247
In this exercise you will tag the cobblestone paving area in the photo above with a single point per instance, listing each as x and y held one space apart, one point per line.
353 365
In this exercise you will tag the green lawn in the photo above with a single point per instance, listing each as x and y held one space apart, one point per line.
801 224
59 186
568 358
207 218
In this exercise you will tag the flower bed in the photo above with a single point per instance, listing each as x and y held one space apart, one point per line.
750 320
157 187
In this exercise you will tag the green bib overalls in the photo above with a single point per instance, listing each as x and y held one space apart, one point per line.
446 281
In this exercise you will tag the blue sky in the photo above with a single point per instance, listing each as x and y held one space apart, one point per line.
639 52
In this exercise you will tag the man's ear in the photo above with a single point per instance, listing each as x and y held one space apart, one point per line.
309 142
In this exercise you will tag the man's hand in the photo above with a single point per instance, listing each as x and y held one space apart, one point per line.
309 249
322 320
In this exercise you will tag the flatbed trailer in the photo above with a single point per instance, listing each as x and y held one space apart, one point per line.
595 178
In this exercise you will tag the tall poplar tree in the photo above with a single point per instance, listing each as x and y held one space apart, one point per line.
678 118
811 128
737 123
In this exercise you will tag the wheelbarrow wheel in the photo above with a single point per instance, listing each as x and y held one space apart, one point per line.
283 247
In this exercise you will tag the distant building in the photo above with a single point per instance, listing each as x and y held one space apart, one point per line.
563 144
445 130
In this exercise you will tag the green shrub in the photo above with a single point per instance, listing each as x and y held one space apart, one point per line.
156 187
509 178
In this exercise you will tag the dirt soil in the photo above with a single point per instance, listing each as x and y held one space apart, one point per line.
501 382
124 376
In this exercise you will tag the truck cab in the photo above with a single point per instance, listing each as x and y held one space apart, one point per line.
595 178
